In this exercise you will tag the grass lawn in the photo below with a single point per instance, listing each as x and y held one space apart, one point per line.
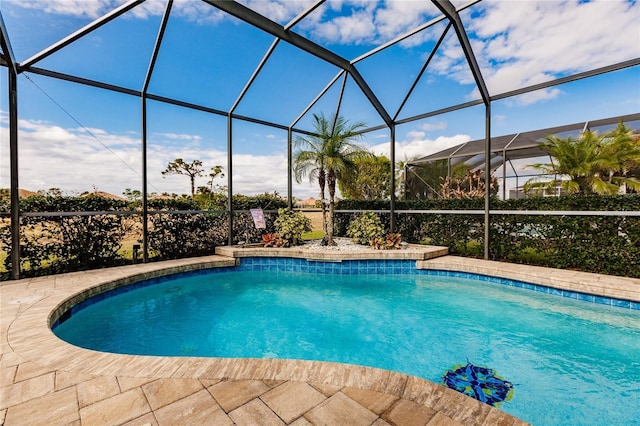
313 235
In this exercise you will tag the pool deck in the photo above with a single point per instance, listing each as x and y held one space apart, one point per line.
44 380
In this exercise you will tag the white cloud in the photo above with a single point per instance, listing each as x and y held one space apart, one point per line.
398 17
451 62
534 97
417 145
523 43
192 10
356 27
180 137
415 134
278 11
364 21
257 174
198 12
81 8
71 159
433 126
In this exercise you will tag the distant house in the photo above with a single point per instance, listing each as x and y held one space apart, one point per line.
519 192
308 203
162 197
22 193
508 157
102 194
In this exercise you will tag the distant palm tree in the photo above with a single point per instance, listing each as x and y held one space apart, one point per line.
325 156
401 177
623 144
592 163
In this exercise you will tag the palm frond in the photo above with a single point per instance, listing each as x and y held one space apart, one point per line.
599 186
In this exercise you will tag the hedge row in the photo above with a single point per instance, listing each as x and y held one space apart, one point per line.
56 244
601 244
604 244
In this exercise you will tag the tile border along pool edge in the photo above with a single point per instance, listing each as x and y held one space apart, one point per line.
603 289
571 290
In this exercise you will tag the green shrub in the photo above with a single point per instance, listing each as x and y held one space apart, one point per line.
290 225
219 201
173 236
530 256
366 228
469 248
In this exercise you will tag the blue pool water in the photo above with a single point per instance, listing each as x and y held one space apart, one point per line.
571 362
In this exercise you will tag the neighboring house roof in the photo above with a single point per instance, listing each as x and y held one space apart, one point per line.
103 194
25 193
308 202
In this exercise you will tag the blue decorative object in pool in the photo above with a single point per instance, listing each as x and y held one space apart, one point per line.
481 383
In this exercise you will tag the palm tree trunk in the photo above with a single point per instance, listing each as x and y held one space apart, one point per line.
322 182
331 183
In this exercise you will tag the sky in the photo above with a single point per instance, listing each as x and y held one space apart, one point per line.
79 138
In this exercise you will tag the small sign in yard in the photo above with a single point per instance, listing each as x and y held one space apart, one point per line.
258 218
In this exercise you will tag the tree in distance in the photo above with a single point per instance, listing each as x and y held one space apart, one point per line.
193 170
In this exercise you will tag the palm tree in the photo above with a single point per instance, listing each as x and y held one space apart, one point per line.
592 163
326 155
401 177
623 144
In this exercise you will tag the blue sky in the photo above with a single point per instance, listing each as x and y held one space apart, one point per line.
80 138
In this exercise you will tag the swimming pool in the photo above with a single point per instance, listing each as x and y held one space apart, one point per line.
571 362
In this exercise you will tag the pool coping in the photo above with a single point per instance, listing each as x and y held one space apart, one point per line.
28 306
605 289
409 252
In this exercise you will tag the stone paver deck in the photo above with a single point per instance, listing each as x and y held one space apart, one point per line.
47 381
